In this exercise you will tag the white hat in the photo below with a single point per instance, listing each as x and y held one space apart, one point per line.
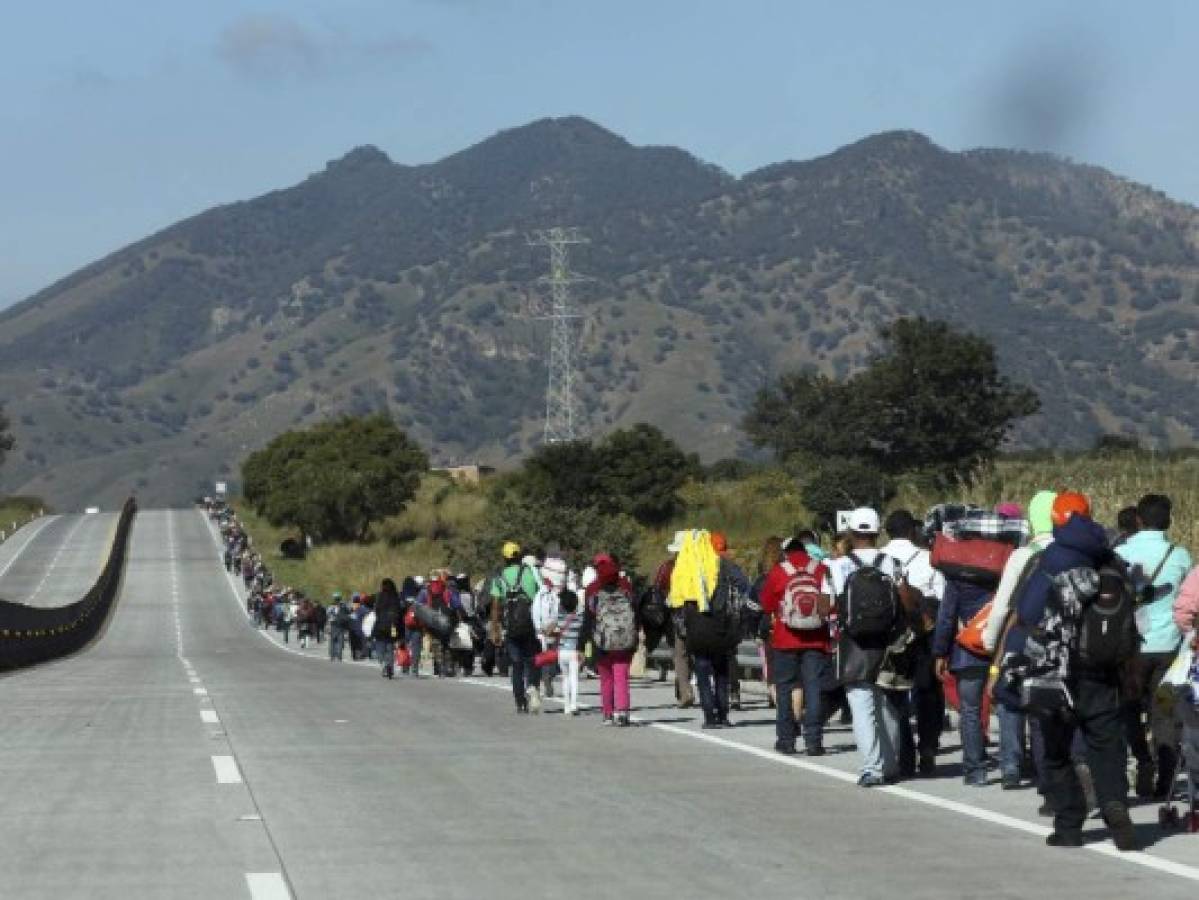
589 576
864 520
676 543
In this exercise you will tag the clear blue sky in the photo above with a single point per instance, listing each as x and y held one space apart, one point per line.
118 118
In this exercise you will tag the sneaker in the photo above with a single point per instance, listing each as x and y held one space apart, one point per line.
622 719
1116 816
785 749
608 720
1064 839
1011 781
710 725
815 751
869 780
535 701
1045 810
927 766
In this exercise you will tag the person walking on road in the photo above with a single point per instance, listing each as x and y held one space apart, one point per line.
1096 709
613 628
387 625
512 593
340 621
799 646
1158 568
863 587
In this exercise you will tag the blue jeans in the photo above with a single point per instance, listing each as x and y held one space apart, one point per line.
385 653
1012 729
524 673
970 705
712 677
337 644
798 668
875 729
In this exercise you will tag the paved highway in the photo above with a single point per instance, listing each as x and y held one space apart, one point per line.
184 755
55 559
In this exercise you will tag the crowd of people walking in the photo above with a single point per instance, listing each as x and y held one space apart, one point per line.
1079 638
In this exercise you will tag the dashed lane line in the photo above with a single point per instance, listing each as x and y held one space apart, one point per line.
226 770
1144 860
267 886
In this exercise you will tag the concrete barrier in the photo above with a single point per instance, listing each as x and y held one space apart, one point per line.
29 635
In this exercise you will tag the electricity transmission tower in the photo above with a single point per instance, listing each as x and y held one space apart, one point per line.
559 392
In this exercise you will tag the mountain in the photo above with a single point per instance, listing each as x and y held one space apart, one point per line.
377 285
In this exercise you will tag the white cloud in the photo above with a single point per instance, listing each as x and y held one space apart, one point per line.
269 47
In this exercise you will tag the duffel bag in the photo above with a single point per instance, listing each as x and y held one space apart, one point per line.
977 561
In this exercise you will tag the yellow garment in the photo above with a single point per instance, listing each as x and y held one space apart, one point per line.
696 570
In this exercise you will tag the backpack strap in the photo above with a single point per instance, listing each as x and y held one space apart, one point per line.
1161 565
789 567
855 559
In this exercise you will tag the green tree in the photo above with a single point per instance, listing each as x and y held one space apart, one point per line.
565 475
6 438
641 471
334 480
844 484
933 402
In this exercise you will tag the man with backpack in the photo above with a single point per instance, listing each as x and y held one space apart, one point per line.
863 588
918 753
1073 636
1158 568
512 594
799 645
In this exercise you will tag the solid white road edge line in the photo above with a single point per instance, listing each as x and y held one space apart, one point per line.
1138 858
226 770
267 886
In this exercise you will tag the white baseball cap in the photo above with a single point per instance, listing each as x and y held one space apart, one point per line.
864 520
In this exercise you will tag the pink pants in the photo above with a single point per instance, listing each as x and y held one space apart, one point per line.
614 681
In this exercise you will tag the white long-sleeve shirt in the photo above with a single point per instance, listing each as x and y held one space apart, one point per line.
918 570
1001 603
545 610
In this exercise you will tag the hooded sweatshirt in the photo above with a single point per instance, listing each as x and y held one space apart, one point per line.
1040 518
1080 543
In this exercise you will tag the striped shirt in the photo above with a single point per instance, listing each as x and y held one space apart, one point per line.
570 625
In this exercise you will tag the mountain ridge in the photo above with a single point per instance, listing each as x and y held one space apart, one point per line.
377 285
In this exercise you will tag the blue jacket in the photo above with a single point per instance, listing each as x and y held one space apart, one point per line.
961 603
1081 542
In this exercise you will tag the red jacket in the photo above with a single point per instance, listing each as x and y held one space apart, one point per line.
782 637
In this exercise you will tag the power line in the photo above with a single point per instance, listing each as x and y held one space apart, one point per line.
560 414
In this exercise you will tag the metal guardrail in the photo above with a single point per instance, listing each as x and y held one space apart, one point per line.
30 635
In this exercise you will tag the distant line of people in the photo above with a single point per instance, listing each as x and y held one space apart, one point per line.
1080 639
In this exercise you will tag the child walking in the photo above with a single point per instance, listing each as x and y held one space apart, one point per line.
569 629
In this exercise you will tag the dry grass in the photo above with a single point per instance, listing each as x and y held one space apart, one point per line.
18 510
748 511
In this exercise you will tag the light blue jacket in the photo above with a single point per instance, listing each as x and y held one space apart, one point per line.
1143 552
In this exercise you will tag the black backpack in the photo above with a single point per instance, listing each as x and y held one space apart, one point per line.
869 604
1107 634
518 610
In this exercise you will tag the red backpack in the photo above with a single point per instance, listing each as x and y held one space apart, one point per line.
802 608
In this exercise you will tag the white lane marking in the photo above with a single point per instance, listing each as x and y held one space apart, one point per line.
267 886
1104 849
66 541
226 769
1137 858
200 692
209 717
29 540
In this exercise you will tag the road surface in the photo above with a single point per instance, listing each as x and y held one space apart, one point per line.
185 754
54 560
